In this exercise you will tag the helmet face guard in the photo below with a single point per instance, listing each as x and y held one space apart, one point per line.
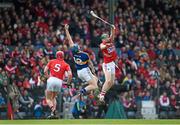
75 48
60 55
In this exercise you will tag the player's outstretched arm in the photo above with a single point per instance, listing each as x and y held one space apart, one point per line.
69 73
104 46
112 33
71 43
91 66
46 71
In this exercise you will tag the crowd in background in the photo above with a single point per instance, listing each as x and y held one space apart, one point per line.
147 38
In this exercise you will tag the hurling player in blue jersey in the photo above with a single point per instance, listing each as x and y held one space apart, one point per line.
84 66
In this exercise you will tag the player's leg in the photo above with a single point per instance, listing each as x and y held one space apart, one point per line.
51 93
92 84
49 99
86 75
56 89
108 82
109 71
54 101
106 86
57 84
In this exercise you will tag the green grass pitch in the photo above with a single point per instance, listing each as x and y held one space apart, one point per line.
91 122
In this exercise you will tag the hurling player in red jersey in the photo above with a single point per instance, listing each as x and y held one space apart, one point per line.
109 54
57 68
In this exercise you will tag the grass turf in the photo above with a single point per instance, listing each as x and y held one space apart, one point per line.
91 121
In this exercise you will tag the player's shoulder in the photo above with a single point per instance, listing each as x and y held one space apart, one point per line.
84 53
103 42
53 60
64 63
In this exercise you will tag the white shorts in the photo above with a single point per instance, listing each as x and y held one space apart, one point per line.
109 67
54 84
85 74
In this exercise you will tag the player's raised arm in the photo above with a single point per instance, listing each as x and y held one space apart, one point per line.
112 33
71 43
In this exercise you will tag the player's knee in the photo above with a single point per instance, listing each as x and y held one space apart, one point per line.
95 86
108 81
112 82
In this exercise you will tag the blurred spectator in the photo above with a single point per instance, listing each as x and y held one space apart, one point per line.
147 96
14 96
173 88
26 83
79 109
10 68
38 110
66 96
164 102
166 88
128 81
173 103
26 102
3 77
169 51
128 102
2 100
177 70
178 98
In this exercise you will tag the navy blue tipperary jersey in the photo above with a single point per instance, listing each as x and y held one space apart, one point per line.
81 60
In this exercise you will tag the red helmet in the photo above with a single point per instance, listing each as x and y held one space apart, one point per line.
59 54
